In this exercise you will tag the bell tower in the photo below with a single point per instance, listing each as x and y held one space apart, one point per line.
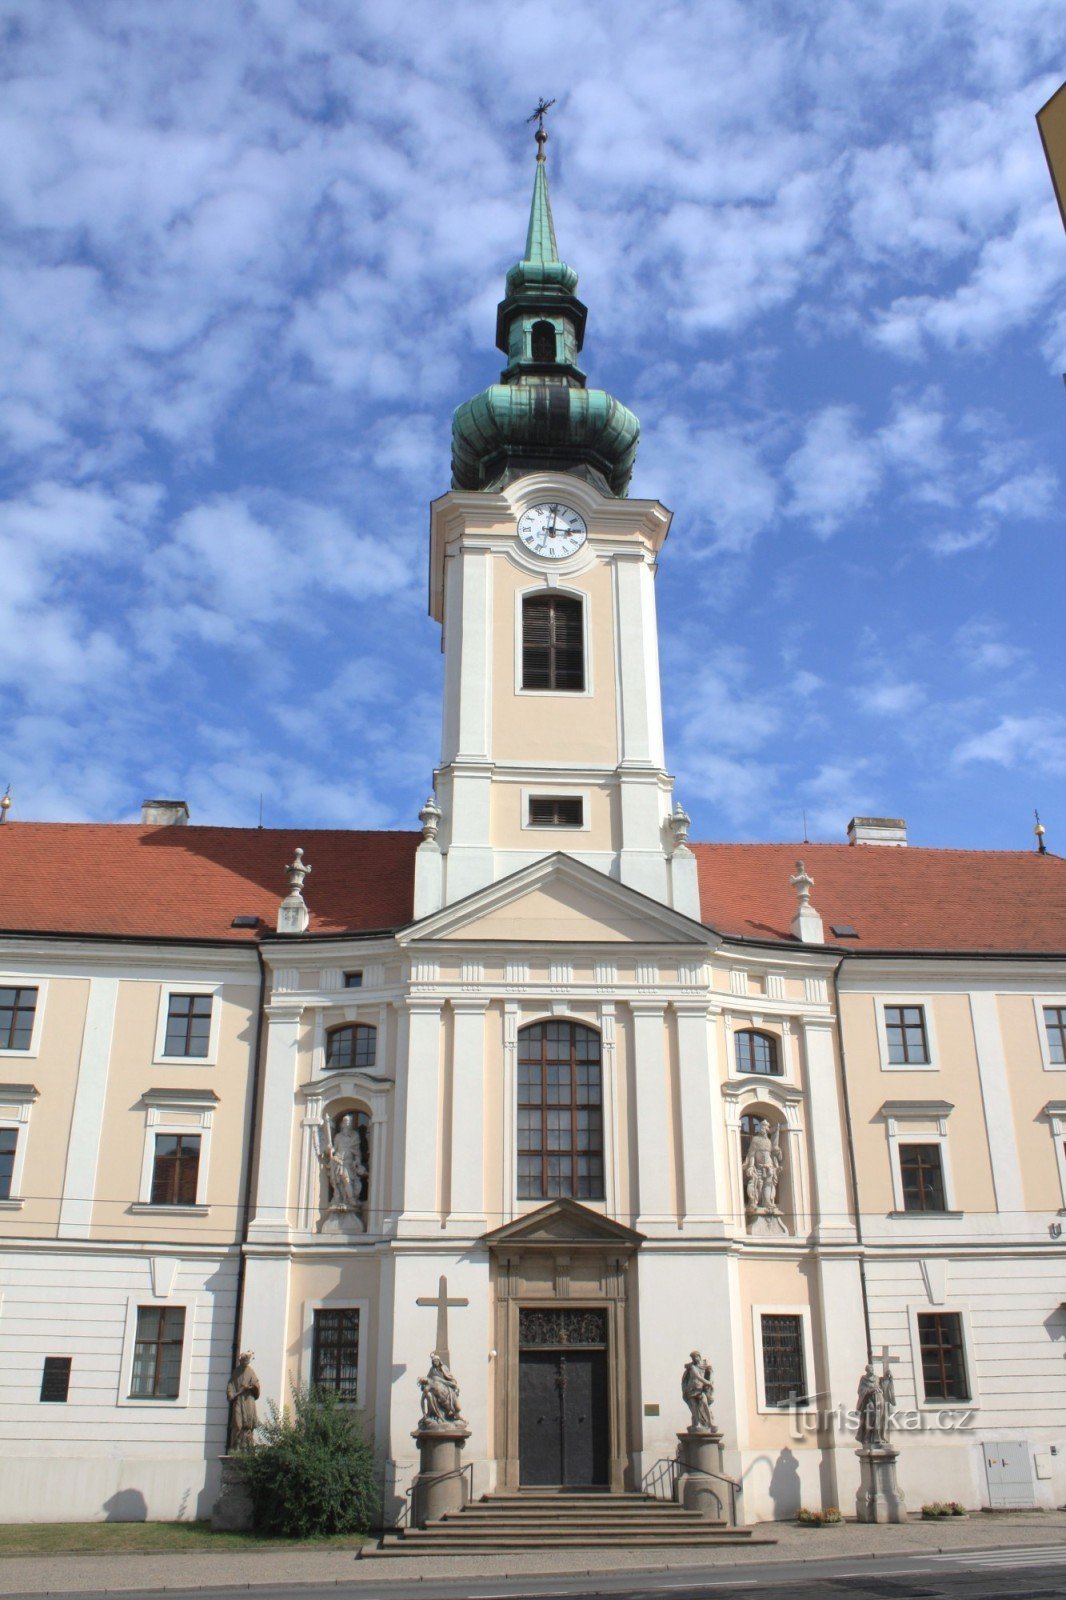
542 576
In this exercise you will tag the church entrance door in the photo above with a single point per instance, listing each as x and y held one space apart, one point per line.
563 1399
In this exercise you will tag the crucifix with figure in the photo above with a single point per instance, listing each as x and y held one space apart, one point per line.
442 1302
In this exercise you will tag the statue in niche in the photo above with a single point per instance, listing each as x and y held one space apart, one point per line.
697 1391
873 1407
343 1154
440 1395
242 1391
763 1162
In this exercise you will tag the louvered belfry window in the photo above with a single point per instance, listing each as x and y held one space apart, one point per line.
553 643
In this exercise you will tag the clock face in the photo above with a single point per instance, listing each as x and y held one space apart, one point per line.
552 530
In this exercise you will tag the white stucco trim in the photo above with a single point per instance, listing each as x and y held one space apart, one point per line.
307 1340
1055 1111
16 1102
804 1314
880 1002
159 1057
10 980
129 1339
905 1112
549 584
87 1119
913 1313
1039 1002
171 1112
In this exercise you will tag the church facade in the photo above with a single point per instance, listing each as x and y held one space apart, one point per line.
544 1087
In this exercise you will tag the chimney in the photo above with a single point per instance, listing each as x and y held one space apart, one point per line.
164 813
877 830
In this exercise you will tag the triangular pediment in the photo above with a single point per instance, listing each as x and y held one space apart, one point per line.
558 900
564 1222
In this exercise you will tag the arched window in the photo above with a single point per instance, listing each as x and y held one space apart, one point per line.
553 642
352 1046
757 1052
560 1120
542 341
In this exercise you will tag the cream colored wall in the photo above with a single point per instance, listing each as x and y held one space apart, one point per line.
790 1286
507 815
955 1080
564 913
577 729
54 1072
131 1073
1031 1087
339 1280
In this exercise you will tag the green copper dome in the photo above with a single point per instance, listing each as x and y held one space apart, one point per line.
540 416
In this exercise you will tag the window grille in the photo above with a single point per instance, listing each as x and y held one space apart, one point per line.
556 811
335 1352
784 1378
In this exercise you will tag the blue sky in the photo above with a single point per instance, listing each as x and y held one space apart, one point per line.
250 256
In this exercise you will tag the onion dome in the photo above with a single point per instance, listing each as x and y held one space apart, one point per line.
540 416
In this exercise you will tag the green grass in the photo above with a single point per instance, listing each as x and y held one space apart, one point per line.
145 1538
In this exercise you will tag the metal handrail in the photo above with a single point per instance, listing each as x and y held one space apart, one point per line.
404 1519
675 1468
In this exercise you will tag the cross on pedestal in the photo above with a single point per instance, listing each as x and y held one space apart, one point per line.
886 1371
441 1301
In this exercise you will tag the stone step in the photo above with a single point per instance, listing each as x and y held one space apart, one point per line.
428 1541
475 1516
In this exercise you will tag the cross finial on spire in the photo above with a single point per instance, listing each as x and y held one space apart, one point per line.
538 116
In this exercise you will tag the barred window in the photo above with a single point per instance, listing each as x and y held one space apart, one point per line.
560 1117
784 1376
352 1046
335 1352
553 643
944 1374
176 1169
188 1025
908 1041
9 1138
921 1168
1055 1028
17 1010
157 1353
757 1052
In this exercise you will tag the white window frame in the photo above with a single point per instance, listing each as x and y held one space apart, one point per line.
21 981
775 1031
896 1112
160 1058
164 1107
308 1341
1055 1111
553 587
558 791
16 1102
1039 1002
804 1314
926 1003
155 1302
913 1312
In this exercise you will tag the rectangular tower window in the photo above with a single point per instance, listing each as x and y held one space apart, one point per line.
943 1356
188 1025
176 1169
55 1379
17 1008
157 1353
335 1352
556 811
921 1170
553 643
784 1377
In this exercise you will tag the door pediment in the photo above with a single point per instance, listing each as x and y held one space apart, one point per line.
559 900
564 1222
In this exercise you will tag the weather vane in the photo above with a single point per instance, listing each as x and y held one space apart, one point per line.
538 117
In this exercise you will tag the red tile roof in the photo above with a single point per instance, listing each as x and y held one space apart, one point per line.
190 882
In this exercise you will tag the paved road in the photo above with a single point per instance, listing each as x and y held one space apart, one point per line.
1006 1573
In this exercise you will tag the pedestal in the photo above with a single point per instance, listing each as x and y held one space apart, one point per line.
439 1486
700 1453
232 1511
879 1498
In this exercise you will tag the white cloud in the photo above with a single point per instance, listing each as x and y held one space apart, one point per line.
1036 742
834 473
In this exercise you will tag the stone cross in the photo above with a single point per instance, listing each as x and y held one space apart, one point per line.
441 1301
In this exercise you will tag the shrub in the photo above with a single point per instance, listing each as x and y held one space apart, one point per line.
313 1474
819 1519
938 1508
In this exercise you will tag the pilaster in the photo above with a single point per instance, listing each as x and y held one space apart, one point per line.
420 1177
271 1220
656 1206
467 1210
699 1121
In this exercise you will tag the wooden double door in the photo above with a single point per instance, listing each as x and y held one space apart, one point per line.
563 1414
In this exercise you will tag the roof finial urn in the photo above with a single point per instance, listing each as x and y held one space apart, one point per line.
679 823
806 924
429 817
293 915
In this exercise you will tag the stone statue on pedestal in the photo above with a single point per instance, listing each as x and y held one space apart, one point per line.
242 1391
341 1155
872 1406
697 1391
440 1396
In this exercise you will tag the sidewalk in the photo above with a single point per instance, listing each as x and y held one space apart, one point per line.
240 1569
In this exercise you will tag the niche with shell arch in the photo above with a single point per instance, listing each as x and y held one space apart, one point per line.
749 1102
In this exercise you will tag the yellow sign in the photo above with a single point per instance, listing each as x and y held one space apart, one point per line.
1051 120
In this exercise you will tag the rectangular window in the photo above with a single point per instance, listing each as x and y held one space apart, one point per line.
943 1356
556 811
157 1353
921 1170
353 980
55 1379
176 1169
784 1378
9 1139
553 643
335 1352
908 1043
17 1008
188 1025
1055 1028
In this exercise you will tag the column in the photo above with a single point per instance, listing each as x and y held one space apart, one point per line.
656 1206
271 1219
699 1115
467 1210
419 1179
